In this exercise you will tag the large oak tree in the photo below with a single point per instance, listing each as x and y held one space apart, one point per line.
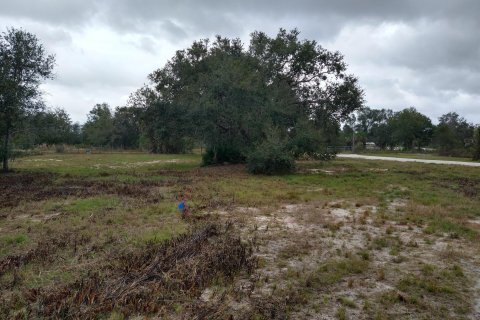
228 94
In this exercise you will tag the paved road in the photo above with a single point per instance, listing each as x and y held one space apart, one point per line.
458 163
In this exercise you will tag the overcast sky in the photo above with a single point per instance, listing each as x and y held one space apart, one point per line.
421 53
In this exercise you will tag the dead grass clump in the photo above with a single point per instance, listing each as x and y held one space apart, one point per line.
335 270
152 281
428 292
450 254
333 226
469 187
14 186
387 241
296 249
18 187
42 252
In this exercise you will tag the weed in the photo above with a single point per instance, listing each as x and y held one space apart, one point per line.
364 254
452 228
341 313
347 302
335 270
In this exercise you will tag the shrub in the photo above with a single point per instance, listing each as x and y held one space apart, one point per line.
304 139
270 158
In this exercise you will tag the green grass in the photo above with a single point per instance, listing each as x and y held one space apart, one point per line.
428 289
434 199
106 163
335 270
89 205
453 229
15 239
347 302
161 234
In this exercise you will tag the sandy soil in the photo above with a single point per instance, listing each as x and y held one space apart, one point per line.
456 163
298 238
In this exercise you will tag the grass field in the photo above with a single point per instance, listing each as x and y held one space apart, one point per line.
100 236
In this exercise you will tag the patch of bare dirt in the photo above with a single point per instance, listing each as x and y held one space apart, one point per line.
138 164
294 241
328 171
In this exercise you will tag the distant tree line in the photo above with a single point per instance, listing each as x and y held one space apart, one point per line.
408 129
104 128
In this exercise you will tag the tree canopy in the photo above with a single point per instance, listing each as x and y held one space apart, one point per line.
453 133
98 129
23 65
226 95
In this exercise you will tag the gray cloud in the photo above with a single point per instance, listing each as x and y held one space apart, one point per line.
422 53
71 13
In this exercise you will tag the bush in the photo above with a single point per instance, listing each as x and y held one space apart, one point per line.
269 158
304 139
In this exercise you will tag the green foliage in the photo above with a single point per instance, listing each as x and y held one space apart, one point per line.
476 152
410 129
91 205
126 130
454 135
304 139
270 159
50 127
98 129
23 65
441 225
16 239
165 125
223 154
223 95
334 270
271 156
373 126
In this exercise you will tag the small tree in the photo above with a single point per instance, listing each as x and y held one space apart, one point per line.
99 126
410 128
23 64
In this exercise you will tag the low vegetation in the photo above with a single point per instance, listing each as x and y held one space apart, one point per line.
100 236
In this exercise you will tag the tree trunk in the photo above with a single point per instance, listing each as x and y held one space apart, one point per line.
476 153
5 149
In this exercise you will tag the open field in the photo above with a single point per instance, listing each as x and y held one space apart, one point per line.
100 236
